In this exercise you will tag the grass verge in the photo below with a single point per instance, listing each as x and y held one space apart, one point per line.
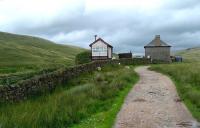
106 119
186 77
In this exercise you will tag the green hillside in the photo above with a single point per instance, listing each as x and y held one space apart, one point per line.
21 54
190 54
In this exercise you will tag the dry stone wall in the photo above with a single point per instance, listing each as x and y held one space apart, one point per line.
47 82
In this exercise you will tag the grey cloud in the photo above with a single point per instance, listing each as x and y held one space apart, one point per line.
176 21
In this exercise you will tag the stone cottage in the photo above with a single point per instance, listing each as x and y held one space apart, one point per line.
158 50
101 50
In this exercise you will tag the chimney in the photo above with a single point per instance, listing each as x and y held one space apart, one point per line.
158 37
157 40
95 37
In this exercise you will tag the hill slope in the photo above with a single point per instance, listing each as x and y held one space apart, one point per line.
19 53
190 54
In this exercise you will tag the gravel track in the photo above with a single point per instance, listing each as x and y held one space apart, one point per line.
154 103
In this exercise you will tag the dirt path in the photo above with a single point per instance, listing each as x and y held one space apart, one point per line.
154 103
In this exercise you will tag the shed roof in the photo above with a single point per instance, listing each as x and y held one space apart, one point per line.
99 39
157 42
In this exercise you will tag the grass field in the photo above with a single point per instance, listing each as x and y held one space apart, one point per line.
190 54
186 77
24 56
93 96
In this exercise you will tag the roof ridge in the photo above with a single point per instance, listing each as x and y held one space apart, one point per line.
157 42
102 41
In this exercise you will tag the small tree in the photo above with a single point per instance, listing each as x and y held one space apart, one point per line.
83 57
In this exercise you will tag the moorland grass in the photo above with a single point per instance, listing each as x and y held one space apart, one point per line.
81 98
106 119
186 77
22 56
190 54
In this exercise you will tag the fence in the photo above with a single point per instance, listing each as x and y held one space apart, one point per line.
48 82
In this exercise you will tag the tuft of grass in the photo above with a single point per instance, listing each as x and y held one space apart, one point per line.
186 77
79 99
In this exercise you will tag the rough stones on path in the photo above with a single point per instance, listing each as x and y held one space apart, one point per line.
154 103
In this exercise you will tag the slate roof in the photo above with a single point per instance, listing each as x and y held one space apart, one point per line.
99 39
157 42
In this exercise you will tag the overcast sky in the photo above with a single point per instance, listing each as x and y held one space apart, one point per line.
125 24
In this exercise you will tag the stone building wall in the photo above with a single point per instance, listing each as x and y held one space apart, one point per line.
158 53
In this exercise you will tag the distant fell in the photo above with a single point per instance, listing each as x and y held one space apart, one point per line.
190 54
20 52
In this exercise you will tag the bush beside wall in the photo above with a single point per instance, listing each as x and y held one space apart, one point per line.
47 82
83 57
